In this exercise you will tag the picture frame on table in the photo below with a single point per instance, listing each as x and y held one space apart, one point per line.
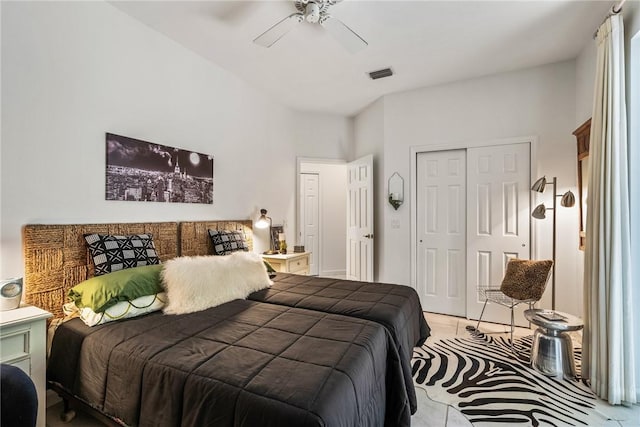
276 230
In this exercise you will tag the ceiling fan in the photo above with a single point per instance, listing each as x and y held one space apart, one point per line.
314 12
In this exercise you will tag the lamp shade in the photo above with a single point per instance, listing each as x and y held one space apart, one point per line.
263 220
568 199
539 212
539 184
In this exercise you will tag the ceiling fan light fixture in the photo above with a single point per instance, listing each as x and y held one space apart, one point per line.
379 74
312 12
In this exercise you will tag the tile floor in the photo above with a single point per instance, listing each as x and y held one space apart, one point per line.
430 413
439 414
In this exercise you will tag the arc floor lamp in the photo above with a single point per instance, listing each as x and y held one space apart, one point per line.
567 200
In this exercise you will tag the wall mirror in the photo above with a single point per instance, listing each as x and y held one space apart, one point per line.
582 140
396 190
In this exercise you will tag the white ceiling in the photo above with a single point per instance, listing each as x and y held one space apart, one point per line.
424 42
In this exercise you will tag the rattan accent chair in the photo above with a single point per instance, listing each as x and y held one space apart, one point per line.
524 282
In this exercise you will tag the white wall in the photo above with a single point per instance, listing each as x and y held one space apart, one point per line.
369 139
323 135
332 200
585 79
72 71
533 102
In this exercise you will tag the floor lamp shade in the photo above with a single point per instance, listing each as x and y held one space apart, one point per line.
539 185
539 212
567 200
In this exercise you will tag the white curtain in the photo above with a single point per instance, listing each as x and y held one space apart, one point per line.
608 339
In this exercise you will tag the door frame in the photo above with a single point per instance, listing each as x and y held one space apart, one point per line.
533 144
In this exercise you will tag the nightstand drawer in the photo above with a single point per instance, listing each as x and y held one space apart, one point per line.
278 265
14 344
298 265
297 262
24 364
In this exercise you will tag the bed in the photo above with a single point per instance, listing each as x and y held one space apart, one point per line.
242 363
395 307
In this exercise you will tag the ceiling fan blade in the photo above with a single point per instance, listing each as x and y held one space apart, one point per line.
345 35
275 33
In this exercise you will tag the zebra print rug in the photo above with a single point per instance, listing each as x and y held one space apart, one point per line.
482 379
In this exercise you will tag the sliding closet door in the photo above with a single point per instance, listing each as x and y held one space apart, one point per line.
441 227
498 181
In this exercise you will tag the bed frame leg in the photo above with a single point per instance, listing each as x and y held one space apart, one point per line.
67 414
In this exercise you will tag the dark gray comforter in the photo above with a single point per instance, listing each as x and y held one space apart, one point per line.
396 307
243 363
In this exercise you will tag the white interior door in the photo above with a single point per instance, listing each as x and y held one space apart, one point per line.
360 219
441 228
309 218
498 222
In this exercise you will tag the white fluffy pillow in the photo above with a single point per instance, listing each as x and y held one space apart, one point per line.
198 283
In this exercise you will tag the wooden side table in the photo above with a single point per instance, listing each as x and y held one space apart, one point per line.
297 263
552 348
23 343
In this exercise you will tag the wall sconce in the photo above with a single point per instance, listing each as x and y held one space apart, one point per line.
567 200
396 190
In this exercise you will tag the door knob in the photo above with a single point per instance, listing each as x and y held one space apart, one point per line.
368 236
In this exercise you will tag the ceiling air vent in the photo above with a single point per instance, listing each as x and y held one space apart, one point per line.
385 72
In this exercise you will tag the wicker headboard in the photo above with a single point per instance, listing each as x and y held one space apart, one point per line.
194 237
56 256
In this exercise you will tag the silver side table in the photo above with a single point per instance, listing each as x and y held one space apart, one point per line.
552 349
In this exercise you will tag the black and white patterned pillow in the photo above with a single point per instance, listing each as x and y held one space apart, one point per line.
113 253
226 242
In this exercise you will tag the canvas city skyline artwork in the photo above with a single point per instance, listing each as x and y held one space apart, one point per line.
142 171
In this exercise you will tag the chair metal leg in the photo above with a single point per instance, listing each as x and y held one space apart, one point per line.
512 327
481 314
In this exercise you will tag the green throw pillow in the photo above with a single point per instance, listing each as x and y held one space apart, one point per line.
270 268
102 292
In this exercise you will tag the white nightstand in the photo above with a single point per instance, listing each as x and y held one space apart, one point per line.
23 343
297 263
